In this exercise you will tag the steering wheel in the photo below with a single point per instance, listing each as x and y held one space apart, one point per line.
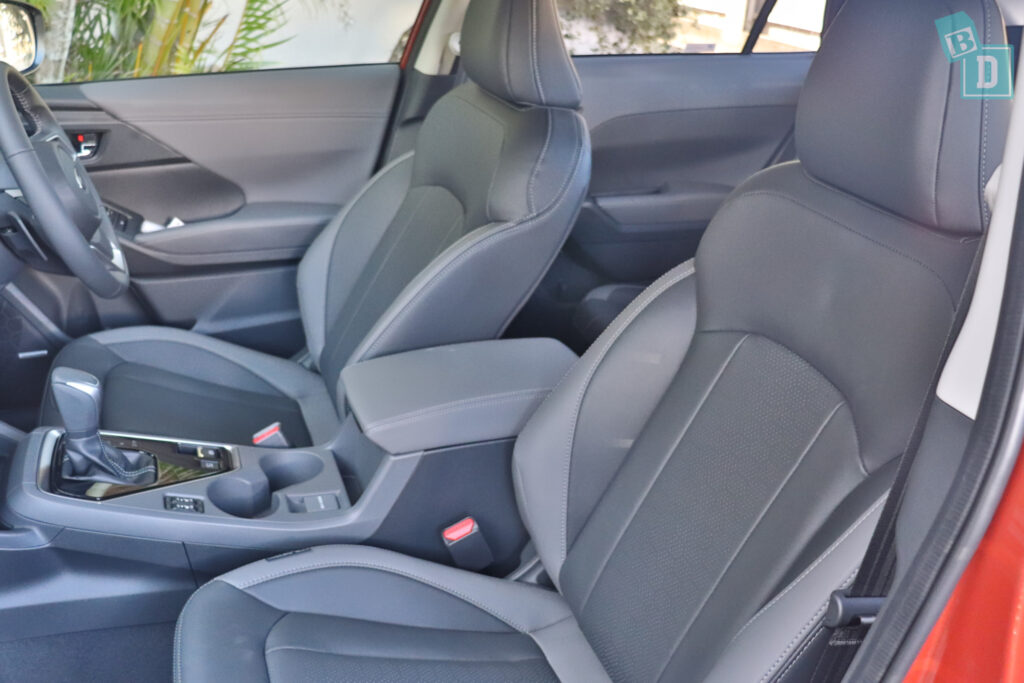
68 209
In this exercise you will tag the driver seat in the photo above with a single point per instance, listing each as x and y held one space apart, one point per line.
443 245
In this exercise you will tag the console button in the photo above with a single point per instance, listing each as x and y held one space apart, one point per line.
183 504
208 453
325 501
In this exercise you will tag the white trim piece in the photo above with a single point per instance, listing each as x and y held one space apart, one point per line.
963 377
435 56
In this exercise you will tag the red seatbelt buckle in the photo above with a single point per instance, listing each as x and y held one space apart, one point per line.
467 545
271 436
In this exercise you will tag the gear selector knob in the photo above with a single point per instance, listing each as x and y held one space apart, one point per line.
87 457
79 396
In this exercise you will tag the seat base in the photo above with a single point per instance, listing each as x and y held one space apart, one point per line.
359 613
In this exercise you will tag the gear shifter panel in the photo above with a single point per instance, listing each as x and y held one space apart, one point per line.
172 463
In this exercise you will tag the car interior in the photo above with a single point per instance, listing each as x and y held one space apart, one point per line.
503 362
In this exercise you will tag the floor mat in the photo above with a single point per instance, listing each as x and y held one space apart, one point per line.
132 654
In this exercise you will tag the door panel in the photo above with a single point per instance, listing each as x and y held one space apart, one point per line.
671 136
291 135
254 164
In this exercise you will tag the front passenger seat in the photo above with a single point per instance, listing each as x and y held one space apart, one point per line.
713 466
443 245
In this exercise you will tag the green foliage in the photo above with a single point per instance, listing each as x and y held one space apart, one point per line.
131 38
635 25
261 20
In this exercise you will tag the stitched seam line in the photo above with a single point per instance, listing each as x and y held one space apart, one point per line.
818 613
386 257
180 627
455 406
805 573
799 653
808 625
535 60
337 230
750 532
670 452
389 570
398 657
615 330
830 219
530 195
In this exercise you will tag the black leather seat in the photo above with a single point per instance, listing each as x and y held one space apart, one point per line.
713 466
443 245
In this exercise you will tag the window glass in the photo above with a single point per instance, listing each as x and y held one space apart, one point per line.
596 27
111 39
793 26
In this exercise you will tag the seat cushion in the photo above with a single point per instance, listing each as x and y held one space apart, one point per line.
357 613
169 382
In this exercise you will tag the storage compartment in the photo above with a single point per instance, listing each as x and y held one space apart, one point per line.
453 395
249 492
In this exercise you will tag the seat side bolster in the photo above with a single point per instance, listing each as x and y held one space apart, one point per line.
544 451
522 607
772 639
387 188
218 650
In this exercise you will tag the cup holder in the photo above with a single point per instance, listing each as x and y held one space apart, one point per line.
249 492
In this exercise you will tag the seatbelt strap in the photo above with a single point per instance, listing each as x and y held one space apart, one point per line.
851 612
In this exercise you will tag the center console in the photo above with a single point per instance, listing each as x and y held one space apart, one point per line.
427 440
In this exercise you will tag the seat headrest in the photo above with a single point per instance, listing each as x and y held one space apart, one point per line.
514 49
882 115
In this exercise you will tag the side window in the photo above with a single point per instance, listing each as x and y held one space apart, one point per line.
601 27
90 40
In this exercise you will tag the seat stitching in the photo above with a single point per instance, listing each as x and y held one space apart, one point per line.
818 613
882 211
530 193
179 627
535 58
779 195
389 570
657 474
454 406
938 148
750 532
355 655
806 572
383 264
494 237
807 626
341 221
615 330
799 653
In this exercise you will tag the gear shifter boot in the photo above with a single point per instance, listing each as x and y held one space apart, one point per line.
87 457
91 459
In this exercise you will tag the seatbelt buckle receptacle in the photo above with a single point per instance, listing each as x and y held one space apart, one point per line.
271 436
467 545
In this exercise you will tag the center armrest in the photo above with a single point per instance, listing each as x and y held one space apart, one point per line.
452 395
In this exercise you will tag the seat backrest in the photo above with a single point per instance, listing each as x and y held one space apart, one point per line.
446 243
713 466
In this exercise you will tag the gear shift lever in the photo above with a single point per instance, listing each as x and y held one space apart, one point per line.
87 457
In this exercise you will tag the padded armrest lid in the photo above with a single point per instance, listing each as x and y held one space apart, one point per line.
451 395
